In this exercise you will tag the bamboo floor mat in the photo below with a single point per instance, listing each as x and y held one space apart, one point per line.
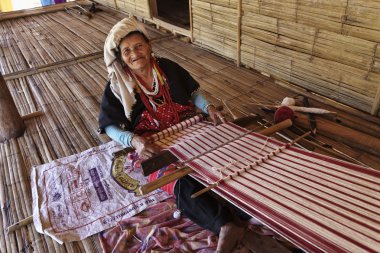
70 98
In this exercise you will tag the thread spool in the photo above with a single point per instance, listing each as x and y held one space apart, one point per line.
283 113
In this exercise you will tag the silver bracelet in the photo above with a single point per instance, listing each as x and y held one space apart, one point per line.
207 106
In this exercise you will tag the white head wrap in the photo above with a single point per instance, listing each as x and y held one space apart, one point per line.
122 85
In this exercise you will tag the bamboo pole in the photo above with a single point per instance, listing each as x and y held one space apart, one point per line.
32 115
54 65
4 199
376 103
13 211
343 134
145 189
28 220
191 20
238 48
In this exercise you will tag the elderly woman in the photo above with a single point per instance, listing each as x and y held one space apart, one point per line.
146 95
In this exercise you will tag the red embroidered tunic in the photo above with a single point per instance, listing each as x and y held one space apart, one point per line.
161 112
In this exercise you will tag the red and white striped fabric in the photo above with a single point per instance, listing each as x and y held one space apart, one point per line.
319 203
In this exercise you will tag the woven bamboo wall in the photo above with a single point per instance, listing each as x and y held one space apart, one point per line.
108 3
329 47
138 8
215 25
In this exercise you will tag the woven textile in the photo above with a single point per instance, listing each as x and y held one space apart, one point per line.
319 203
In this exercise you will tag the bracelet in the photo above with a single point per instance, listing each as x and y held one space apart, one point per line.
207 106
130 141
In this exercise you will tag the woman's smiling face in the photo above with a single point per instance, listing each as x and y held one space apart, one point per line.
135 52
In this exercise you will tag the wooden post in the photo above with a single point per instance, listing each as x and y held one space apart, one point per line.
11 124
238 41
191 21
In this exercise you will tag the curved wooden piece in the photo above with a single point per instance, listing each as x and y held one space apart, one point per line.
11 124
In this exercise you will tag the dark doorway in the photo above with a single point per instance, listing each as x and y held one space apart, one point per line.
175 12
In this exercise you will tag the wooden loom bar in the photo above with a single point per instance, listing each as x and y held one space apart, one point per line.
349 136
238 40
191 20
164 180
54 65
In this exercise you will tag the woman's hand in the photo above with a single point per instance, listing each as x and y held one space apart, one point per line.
144 148
215 115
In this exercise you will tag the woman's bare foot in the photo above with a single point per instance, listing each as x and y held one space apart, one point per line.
229 236
262 244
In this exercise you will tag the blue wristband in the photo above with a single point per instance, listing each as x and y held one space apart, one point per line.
120 136
200 101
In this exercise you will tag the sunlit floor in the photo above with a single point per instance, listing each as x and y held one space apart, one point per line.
15 5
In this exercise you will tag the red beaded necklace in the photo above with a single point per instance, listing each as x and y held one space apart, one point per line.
163 91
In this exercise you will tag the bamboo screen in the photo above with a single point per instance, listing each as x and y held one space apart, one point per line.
138 8
329 47
215 26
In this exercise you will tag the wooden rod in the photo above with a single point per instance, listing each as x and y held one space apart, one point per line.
20 224
59 64
164 180
191 20
32 115
376 103
280 126
340 133
229 109
335 152
238 40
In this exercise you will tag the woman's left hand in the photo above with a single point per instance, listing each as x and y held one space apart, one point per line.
215 115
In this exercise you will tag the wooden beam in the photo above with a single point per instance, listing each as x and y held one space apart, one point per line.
174 29
55 65
238 39
32 115
145 189
191 20
376 105
20 224
153 11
